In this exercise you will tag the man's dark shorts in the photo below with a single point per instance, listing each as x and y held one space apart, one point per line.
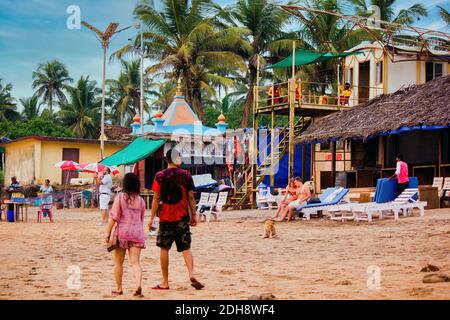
174 231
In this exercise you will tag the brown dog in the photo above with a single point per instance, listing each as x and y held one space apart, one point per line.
269 229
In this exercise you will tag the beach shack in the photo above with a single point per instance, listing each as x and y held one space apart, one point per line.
31 159
413 121
201 147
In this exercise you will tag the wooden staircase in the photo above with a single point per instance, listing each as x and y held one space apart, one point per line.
242 196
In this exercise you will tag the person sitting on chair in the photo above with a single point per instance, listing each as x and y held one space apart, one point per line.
14 186
345 93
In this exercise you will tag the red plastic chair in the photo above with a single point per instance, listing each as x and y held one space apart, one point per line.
47 208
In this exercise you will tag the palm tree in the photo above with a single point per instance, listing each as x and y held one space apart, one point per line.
49 81
325 33
81 113
387 13
125 93
31 107
445 15
265 22
7 105
186 40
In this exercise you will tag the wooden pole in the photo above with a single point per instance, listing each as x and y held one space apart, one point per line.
255 136
440 140
293 59
333 162
272 148
291 127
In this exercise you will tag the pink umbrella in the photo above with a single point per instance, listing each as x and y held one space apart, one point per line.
98 167
68 165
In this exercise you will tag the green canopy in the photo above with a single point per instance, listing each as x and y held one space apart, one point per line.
134 152
304 57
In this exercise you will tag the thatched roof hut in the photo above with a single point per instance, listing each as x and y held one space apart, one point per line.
416 107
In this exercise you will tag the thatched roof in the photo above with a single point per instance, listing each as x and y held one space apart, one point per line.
114 132
426 104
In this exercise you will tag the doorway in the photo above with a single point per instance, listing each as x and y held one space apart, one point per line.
70 154
364 82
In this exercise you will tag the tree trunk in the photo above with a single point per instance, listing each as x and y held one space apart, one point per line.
197 104
248 108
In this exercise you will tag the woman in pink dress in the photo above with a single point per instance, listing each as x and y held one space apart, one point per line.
127 214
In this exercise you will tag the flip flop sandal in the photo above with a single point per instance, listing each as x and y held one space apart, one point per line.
158 287
138 293
197 285
115 293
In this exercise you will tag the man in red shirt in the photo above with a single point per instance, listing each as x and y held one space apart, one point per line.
174 188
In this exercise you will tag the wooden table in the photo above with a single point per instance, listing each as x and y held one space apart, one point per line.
19 208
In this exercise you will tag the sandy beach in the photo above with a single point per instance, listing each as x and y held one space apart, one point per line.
319 259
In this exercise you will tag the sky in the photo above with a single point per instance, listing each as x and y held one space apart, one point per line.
35 31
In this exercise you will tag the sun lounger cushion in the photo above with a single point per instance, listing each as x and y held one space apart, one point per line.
334 195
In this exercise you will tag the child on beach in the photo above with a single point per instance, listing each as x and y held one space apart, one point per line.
127 215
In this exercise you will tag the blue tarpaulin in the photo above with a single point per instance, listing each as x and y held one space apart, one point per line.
281 177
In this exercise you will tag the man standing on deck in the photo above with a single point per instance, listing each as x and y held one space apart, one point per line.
104 190
174 188
401 172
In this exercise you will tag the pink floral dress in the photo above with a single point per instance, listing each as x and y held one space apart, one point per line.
129 215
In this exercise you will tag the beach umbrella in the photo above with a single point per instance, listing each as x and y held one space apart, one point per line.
68 165
98 167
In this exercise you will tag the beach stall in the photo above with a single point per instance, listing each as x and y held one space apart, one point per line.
413 121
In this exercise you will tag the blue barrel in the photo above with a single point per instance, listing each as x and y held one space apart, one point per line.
10 215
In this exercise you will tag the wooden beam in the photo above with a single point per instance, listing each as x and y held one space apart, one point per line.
440 143
333 162
272 148
291 126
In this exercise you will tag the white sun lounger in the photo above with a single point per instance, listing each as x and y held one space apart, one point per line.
405 202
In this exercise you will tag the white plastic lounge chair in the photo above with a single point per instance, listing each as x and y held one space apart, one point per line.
261 200
216 210
405 202
210 204
438 182
272 200
204 197
330 197
446 186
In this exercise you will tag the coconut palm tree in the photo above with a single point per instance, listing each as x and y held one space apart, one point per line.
31 107
81 113
7 105
125 93
49 81
265 22
387 12
445 15
187 42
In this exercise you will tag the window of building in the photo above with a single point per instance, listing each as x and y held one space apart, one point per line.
379 72
433 70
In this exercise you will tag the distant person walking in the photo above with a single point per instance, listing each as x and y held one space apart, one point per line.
401 173
174 188
105 184
127 214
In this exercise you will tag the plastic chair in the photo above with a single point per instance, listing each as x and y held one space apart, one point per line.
45 210
87 197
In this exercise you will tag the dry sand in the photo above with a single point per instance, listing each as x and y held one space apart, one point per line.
318 259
